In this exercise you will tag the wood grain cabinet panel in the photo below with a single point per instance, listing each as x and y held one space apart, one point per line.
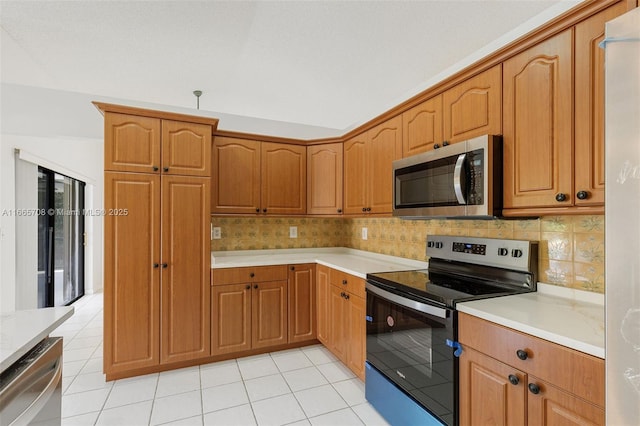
355 175
538 125
132 143
186 148
269 314
324 179
322 298
231 318
338 327
236 176
302 303
356 334
474 107
131 282
422 127
186 249
284 179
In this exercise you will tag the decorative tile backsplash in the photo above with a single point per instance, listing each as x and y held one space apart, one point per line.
571 247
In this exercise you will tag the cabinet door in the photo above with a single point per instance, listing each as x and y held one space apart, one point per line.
422 127
236 176
230 318
553 406
474 107
357 334
186 148
324 179
131 272
385 146
302 303
186 266
269 314
589 105
284 179
486 394
355 177
131 143
538 135
338 330
324 320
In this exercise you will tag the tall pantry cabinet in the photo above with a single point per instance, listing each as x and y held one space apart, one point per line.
157 246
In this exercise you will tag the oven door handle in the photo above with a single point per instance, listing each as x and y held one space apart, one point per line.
457 179
408 303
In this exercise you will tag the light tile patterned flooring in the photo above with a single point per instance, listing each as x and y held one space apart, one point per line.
306 386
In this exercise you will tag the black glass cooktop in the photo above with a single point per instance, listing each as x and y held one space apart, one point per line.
443 289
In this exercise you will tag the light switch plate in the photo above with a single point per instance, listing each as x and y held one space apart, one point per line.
364 233
217 233
293 232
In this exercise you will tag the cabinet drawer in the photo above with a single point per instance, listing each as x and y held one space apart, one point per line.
571 370
348 282
224 276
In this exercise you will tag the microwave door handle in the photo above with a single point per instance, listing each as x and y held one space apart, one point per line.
457 178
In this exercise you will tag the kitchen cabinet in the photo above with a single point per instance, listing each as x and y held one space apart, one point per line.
248 308
157 250
142 144
422 127
302 311
554 135
253 177
324 179
323 288
345 327
509 377
368 168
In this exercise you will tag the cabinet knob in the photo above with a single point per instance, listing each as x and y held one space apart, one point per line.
364 209
252 275
346 296
560 197
165 169
255 286
445 143
264 210
513 379
582 195
156 168
522 354
164 266
368 209
156 265
257 210
342 294
293 268
339 210
436 146
533 388
248 287
344 282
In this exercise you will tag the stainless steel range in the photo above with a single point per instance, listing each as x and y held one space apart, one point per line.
412 349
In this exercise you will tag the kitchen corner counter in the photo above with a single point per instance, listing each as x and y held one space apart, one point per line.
571 318
22 330
351 261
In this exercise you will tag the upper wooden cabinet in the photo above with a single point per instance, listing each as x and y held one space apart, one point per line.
258 177
324 179
135 143
471 108
422 127
474 107
368 168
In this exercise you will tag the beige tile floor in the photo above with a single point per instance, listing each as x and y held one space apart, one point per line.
306 386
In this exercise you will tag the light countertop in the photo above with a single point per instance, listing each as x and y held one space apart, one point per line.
571 318
351 261
22 330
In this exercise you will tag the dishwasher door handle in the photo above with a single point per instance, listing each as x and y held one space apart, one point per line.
41 400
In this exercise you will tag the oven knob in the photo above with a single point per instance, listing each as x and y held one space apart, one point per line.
516 253
503 251
430 244
439 245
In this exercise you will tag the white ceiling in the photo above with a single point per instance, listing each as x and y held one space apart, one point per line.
291 68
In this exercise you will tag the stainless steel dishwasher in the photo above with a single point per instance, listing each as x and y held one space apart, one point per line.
31 389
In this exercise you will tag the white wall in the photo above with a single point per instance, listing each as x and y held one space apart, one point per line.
82 156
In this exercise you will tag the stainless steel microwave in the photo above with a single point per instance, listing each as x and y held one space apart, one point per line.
459 180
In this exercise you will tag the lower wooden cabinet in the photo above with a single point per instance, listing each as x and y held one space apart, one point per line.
341 320
302 303
508 377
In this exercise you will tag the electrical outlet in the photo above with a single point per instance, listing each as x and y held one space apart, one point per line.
364 233
293 232
217 233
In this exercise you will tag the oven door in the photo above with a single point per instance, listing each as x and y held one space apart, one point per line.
407 344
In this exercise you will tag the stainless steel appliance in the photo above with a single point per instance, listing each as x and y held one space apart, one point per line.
412 349
31 389
458 180
622 204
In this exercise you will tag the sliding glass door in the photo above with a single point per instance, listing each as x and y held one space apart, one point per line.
60 239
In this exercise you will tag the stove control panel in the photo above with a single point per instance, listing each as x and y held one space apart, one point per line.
510 254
